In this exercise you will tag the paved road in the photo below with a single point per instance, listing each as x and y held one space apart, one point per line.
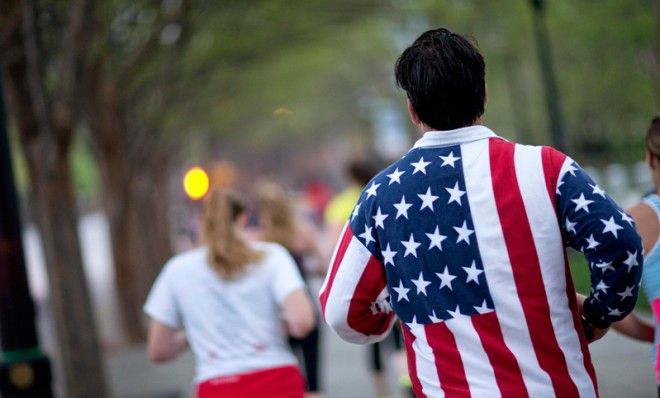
623 365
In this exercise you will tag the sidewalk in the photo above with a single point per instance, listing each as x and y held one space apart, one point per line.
623 368
131 375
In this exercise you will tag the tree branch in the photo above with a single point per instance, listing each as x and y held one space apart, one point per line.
75 42
35 67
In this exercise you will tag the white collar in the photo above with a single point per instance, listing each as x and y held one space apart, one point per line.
453 137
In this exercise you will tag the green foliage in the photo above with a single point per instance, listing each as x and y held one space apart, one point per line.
18 163
606 74
302 59
605 57
246 75
83 168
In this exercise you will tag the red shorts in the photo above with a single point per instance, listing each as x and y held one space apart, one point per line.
282 382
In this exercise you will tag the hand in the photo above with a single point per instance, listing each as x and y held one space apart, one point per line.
598 334
591 333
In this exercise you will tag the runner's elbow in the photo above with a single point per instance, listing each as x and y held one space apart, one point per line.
159 354
302 327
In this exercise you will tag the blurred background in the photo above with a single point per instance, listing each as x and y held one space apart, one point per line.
108 103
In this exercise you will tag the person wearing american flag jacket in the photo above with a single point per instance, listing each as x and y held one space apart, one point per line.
464 239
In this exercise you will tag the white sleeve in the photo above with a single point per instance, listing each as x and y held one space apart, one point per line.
286 276
161 303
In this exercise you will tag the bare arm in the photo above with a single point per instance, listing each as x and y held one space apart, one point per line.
635 327
646 224
298 313
164 343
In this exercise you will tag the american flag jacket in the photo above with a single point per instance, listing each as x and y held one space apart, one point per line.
464 240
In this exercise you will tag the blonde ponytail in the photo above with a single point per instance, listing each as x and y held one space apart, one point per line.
228 253
276 214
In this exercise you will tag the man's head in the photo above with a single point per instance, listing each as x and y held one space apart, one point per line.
443 75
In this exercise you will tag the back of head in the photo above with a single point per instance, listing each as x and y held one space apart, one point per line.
443 75
228 253
653 137
276 214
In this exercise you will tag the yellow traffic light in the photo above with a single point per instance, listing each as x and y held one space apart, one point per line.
196 183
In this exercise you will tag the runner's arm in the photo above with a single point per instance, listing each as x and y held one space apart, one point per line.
298 313
635 327
354 297
164 342
595 225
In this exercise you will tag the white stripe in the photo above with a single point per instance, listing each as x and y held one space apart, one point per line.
478 370
342 290
332 260
550 250
564 168
497 267
453 137
427 373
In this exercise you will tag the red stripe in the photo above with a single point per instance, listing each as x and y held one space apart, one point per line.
577 323
371 284
507 371
339 256
526 268
552 161
408 339
448 362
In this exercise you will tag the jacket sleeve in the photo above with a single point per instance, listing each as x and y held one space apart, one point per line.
596 226
354 298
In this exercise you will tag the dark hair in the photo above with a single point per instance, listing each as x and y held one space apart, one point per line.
653 137
443 75
361 171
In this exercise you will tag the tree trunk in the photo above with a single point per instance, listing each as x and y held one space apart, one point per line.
54 200
151 217
147 218
80 351
125 237
109 147
140 236
136 211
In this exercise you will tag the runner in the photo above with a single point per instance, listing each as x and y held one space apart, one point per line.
646 215
278 223
229 301
464 240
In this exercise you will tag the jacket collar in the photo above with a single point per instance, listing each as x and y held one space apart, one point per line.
454 137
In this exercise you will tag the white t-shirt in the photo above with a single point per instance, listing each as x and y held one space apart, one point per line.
232 326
